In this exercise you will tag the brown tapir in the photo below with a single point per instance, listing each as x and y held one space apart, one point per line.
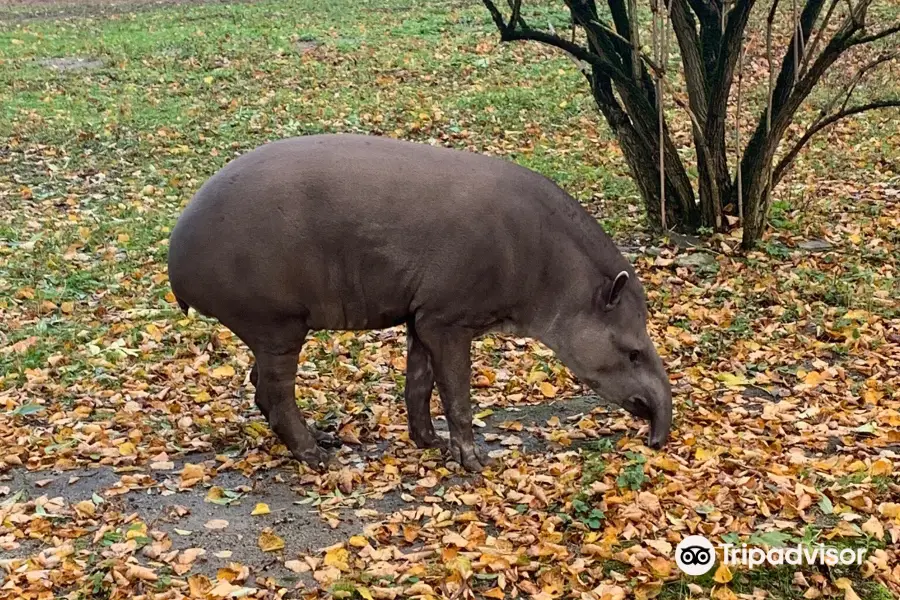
354 232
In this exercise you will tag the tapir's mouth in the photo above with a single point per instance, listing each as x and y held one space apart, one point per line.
643 408
638 407
659 423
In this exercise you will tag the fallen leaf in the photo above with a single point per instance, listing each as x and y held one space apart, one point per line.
723 574
269 542
223 372
339 558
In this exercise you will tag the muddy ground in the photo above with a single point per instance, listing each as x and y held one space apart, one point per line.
184 514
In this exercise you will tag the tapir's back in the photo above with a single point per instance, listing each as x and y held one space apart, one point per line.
356 230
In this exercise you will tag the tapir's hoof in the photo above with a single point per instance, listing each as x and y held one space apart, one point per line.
325 439
431 440
315 458
470 458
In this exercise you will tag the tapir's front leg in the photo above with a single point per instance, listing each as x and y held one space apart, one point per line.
450 353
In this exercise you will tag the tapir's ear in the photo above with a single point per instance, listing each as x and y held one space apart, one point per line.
615 292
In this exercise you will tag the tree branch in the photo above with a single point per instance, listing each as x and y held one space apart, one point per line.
875 36
821 124
509 33
814 44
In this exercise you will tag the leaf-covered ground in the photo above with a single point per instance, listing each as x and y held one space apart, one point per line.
130 447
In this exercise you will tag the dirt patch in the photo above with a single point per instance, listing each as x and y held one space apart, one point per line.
304 46
185 514
71 63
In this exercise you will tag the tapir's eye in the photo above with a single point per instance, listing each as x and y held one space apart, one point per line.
634 355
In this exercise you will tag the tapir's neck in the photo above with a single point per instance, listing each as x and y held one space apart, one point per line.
576 256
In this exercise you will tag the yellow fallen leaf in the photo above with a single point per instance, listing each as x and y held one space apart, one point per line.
732 380
845 584
260 509
660 566
536 376
882 466
170 298
723 593
419 588
86 507
215 493
154 332
67 307
126 449
191 474
704 454
666 464
548 390
874 528
223 372
136 530
199 585
364 592
814 378
358 541
338 558
723 574
269 542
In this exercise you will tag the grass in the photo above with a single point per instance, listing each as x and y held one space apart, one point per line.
777 582
119 149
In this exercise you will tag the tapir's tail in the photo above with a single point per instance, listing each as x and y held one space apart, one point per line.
182 304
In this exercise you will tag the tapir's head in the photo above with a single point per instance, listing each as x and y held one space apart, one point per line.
604 341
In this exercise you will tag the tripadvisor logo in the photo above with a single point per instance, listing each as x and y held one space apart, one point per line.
695 555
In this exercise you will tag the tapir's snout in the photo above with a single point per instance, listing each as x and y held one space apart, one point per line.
660 425
660 409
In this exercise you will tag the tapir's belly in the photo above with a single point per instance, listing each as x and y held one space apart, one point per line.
351 284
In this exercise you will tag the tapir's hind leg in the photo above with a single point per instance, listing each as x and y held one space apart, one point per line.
419 384
275 398
323 438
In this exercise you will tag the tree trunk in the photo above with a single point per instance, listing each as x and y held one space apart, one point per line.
681 206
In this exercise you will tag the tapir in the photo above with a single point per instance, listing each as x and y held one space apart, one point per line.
359 232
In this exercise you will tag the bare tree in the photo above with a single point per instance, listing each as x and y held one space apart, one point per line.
630 86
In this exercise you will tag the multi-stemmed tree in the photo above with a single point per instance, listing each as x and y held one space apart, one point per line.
631 84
